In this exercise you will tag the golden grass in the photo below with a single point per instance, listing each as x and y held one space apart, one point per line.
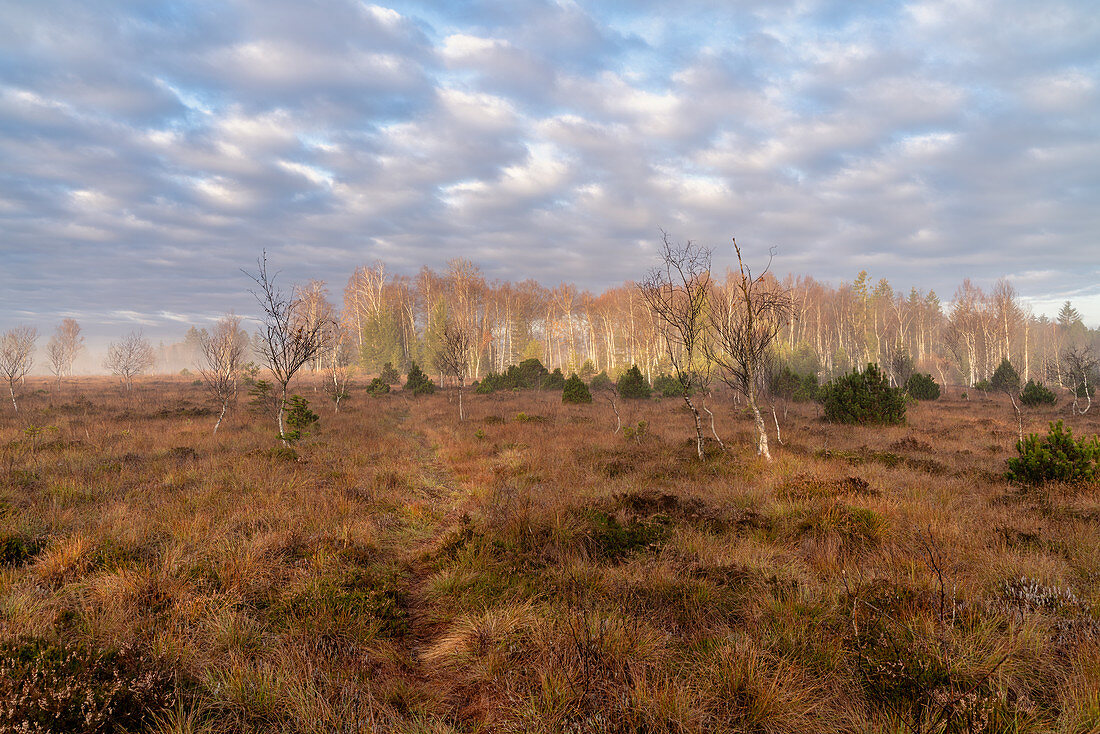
405 572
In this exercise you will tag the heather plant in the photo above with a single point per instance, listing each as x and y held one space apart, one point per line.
575 391
1035 394
921 386
1058 456
863 397
632 385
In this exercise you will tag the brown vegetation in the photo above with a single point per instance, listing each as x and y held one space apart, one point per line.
399 570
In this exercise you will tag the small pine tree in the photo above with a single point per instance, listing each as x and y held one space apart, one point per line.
1035 393
1055 457
601 381
1005 378
864 398
575 391
390 375
554 381
667 386
298 418
587 370
633 385
378 387
417 382
922 387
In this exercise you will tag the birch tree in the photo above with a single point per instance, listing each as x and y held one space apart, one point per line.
221 355
745 317
676 292
287 340
453 356
130 357
17 357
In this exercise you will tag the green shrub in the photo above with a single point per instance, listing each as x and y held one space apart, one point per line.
667 386
378 387
1005 378
587 370
299 418
575 391
390 375
601 382
633 385
983 385
554 381
922 387
1035 393
1058 456
790 385
65 687
417 382
863 397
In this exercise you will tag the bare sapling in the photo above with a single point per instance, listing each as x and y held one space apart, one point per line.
677 292
221 353
17 357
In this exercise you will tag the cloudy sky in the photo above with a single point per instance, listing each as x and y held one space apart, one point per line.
149 150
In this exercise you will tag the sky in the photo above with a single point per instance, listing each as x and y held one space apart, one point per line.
151 150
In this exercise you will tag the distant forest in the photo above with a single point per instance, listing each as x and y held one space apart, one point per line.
386 318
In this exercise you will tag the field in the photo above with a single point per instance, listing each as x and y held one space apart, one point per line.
530 570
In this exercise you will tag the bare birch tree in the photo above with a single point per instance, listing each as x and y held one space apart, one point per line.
453 357
65 343
287 339
677 292
221 357
1078 366
340 360
17 356
745 317
130 357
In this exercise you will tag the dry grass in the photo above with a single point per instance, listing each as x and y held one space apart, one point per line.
530 571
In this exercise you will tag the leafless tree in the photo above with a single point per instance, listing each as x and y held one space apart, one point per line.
221 357
17 356
340 354
1078 366
744 318
287 339
453 357
130 357
677 292
63 347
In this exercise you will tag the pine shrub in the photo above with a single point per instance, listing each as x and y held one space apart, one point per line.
554 381
575 391
1035 393
390 375
1058 456
601 382
299 418
864 398
922 387
789 385
633 385
417 382
1005 378
378 387
667 386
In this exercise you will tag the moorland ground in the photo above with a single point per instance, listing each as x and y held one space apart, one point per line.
530 570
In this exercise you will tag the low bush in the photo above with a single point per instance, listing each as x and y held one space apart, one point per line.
1035 393
390 375
633 385
863 398
554 381
575 391
922 387
1058 456
790 385
299 418
667 386
378 387
601 382
418 383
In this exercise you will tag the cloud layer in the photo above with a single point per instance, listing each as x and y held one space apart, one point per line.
148 151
